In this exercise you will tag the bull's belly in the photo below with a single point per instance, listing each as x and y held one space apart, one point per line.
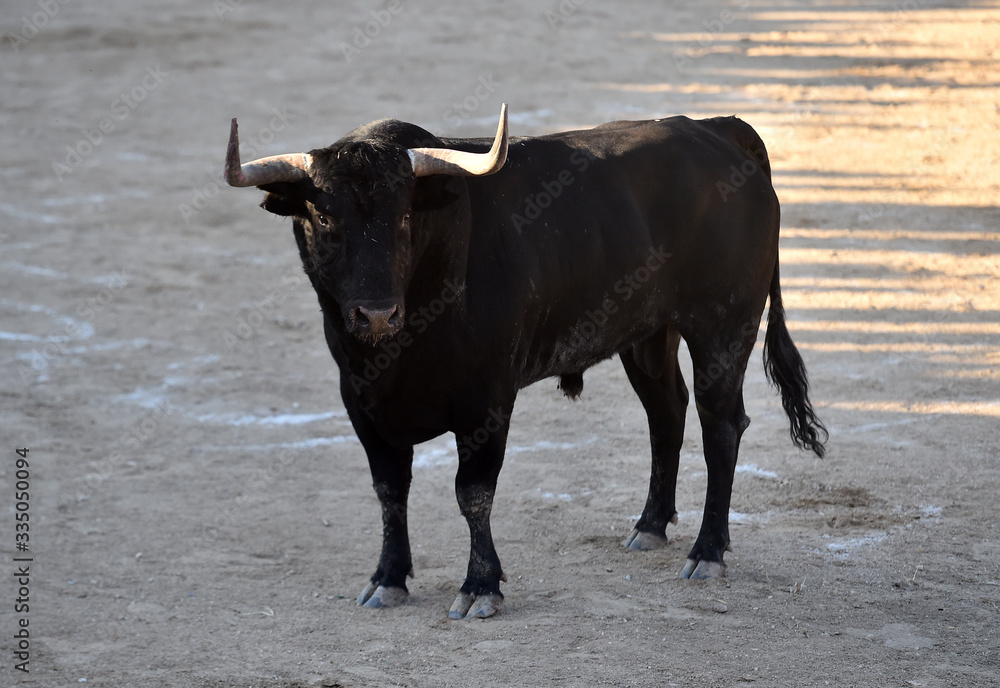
595 336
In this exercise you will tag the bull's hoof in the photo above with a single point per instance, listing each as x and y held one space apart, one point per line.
643 541
380 597
469 606
460 607
703 570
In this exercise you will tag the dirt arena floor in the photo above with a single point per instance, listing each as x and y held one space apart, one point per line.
200 511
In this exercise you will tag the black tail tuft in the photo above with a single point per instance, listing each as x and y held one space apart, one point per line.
571 385
786 371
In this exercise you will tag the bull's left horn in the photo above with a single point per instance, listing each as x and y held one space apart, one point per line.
428 161
276 168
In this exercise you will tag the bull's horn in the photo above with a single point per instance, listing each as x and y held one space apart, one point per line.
428 161
277 168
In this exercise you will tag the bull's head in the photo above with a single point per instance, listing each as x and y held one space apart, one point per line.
352 204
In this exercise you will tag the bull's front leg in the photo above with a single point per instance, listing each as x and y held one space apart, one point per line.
480 454
391 473
391 469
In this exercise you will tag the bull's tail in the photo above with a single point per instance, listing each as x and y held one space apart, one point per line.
786 371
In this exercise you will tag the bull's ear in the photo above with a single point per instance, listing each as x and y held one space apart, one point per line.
431 193
283 199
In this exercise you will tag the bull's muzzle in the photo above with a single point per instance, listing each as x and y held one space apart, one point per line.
375 323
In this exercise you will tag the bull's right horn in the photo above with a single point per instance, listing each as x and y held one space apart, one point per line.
276 168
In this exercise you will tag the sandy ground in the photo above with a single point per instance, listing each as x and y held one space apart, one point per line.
200 511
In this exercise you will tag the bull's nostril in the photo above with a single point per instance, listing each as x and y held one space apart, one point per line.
359 317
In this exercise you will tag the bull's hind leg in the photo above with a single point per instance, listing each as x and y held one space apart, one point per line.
651 366
718 389
480 455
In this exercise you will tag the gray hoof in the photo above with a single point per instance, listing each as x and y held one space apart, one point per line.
468 606
703 570
460 607
379 597
644 541
366 593
485 606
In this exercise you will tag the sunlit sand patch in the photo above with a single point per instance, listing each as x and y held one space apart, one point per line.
831 284
888 280
660 88
954 265
833 182
838 50
962 408
906 299
936 350
885 235
904 328
967 373
928 86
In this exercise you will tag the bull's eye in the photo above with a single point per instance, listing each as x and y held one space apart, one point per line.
324 220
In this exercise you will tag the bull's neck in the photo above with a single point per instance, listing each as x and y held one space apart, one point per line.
440 248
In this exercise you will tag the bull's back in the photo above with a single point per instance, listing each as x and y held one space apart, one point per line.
619 229
700 190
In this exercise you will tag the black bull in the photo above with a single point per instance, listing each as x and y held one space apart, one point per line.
444 295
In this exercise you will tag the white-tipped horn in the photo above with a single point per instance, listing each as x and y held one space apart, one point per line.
276 168
428 161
